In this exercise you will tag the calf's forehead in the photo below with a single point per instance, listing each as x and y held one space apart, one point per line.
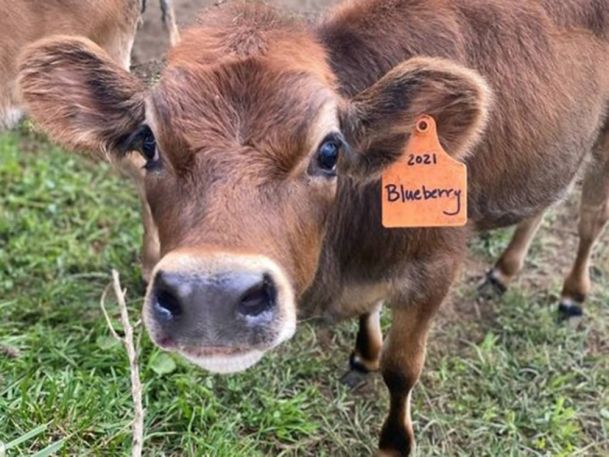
242 107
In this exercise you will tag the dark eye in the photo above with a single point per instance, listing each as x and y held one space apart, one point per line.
144 142
149 145
327 155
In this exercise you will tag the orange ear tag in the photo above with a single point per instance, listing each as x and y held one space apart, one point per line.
427 187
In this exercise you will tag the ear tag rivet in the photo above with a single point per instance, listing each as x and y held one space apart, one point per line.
422 126
426 187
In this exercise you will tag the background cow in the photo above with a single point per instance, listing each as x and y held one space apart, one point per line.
265 139
111 24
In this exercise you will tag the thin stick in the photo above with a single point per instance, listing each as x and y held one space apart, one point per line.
169 21
132 352
107 316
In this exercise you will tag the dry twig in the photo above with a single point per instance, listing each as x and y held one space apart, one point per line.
132 353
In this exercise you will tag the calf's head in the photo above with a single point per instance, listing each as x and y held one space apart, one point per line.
245 140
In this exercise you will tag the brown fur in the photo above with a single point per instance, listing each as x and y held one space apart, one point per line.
520 91
110 23
380 118
94 106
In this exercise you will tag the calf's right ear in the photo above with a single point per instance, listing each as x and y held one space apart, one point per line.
377 123
79 95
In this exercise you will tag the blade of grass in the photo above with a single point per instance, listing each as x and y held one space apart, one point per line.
26 437
50 450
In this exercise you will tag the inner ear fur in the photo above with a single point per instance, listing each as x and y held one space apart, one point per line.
76 93
377 123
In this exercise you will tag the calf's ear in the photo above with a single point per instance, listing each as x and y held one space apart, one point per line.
79 95
377 123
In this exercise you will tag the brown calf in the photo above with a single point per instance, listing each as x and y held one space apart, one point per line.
265 138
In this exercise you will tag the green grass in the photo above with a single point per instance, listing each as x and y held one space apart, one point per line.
502 378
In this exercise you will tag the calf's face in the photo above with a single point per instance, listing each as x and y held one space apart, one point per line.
243 159
241 181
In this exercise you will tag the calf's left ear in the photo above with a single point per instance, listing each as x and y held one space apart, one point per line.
378 122
79 95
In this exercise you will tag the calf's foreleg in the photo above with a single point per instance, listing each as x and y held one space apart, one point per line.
404 353
594 214
366 356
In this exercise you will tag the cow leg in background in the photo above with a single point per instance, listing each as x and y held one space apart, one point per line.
366 356
512 260
169 21
594 214
404 355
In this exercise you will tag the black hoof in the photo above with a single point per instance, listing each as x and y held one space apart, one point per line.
568 311
491 287
354 379
357 375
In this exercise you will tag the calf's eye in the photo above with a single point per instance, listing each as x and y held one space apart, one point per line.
149 150
143 141
146 145
327 155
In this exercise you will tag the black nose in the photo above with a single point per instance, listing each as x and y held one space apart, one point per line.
258 299
167 306
189 306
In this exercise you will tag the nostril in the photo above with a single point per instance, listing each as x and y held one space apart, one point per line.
167 306
259 298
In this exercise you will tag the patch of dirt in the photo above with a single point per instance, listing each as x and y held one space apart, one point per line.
152 41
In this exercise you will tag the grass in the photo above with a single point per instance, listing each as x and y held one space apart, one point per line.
502 378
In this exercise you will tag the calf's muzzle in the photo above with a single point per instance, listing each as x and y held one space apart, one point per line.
198 307
221 311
